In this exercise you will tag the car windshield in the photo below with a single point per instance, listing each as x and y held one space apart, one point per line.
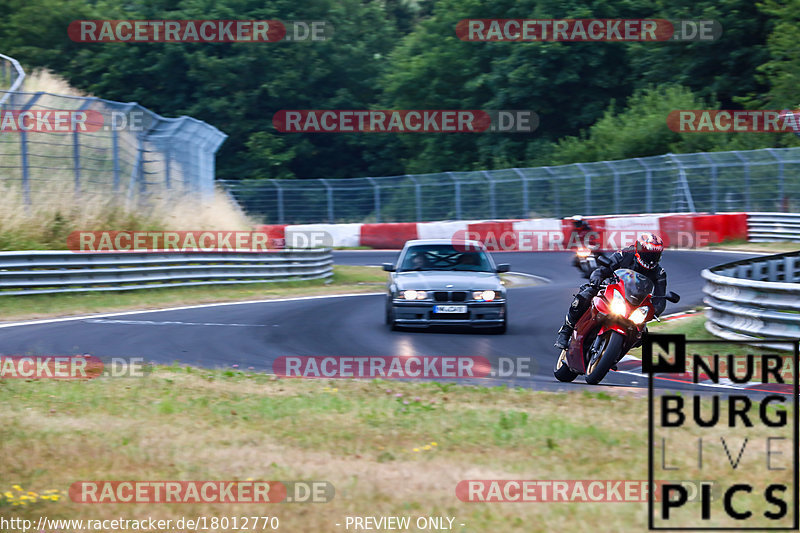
637 286
444 257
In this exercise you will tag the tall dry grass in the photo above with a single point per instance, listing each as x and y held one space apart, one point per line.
46 81
56 210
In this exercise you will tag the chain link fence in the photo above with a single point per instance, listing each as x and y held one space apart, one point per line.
754 180
99 146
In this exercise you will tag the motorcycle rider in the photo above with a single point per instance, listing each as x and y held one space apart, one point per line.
581 229
643 257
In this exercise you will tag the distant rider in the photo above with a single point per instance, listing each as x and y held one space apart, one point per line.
643 257
581 229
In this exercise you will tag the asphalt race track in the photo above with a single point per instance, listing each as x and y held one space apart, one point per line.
255 334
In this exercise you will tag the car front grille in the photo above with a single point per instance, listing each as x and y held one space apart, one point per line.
454 296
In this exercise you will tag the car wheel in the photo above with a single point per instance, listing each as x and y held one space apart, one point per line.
390 318
504 326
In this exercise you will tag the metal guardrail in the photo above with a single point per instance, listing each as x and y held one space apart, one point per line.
755 299
41 272
770 227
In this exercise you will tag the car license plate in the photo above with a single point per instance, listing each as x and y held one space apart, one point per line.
450 309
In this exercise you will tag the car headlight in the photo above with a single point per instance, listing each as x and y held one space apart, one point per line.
411 294
618 305
639 314
486 296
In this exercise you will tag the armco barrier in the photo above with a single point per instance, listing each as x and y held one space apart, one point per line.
50 272
770 227
678 231
754 299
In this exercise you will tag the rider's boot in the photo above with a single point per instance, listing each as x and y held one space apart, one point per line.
564 335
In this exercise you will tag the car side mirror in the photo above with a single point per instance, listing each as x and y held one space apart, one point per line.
603 260
673 297
388 267
503 267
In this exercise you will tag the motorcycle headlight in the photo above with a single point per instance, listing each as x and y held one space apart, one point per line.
639 314
413 295
583 252
486 296
618 305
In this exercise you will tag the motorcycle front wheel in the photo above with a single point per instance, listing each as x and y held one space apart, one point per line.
562 372
610 350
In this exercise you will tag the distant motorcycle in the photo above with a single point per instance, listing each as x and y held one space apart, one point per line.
612 326
585 260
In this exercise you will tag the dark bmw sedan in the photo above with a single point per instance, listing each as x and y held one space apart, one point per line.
439 282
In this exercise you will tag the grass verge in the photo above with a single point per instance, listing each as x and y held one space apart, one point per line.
764 247
389 448
346 279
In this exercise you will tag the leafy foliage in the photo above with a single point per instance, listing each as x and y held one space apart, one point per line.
595 100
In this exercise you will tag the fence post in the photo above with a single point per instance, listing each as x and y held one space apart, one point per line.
683 184
376 199
457 194
417 196
781 185
23 147
115 147
746 171
167 163
115 157
492 206
713 182
136 170
281 213
616 186
525 206
18 81
330 199
556 193
587 190
648 185
76 150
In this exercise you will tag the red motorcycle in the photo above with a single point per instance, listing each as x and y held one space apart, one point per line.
612 326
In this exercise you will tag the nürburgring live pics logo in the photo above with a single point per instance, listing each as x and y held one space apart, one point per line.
713 428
